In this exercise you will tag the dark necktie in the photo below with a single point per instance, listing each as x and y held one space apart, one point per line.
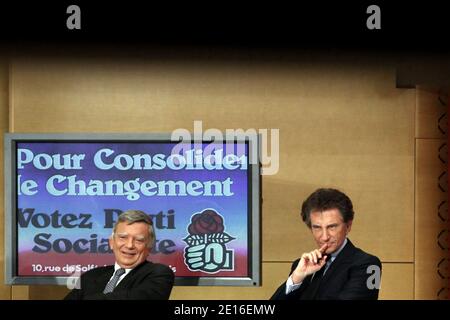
113 282
314 285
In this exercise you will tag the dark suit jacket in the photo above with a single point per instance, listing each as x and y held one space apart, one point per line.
346 278
147 281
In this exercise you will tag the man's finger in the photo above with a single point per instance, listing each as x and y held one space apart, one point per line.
308 257
318 253
314 257
323 248
305 258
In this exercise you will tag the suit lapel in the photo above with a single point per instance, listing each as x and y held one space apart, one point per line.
341 259
129 277
101 281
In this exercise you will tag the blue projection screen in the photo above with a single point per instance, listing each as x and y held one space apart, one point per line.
63 194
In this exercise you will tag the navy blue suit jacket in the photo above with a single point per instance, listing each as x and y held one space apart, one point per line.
147 281
345 279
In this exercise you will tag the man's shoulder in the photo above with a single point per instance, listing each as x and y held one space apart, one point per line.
364 257
151 270
156 267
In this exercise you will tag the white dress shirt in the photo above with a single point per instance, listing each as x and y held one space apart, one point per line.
117 267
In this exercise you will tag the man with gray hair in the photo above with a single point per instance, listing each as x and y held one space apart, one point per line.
132 277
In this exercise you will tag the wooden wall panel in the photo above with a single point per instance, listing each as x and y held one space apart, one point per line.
47 292
428 223
397 281
5 291
273 275
342 124
431 212
431 114
23 292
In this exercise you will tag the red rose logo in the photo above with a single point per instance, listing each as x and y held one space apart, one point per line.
207 222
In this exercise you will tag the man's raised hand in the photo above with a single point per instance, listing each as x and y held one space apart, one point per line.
309 263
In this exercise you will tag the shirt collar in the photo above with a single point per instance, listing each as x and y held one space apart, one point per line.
117 267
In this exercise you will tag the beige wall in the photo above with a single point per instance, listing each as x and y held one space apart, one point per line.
5 291
342 123
431 213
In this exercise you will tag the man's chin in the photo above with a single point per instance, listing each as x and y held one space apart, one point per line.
127 262
130 262
330 250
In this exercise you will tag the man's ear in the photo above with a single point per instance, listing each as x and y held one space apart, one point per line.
111 241
349 226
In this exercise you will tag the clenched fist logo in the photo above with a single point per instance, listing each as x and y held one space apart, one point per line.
206 244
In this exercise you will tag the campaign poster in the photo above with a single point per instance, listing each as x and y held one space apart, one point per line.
70 193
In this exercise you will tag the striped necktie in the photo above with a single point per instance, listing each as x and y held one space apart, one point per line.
113 282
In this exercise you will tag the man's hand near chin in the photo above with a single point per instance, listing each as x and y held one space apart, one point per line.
309 263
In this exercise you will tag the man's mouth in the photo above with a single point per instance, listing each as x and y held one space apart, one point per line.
128 254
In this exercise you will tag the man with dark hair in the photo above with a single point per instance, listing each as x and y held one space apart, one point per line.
132 277
336 269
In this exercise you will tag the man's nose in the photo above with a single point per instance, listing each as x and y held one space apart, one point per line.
325 235
130 242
